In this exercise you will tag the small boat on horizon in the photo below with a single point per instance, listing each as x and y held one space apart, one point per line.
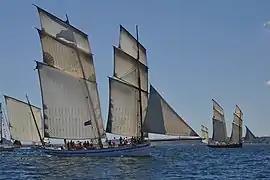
219 138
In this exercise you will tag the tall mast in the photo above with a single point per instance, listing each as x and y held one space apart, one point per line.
1 127
139 84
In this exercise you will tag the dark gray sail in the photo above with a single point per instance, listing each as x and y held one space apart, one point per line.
249 135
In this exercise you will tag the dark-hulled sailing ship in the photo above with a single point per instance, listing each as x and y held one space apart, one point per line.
219 137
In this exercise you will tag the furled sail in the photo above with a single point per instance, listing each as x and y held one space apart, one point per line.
22 123
67 49
125 88
249 135
219 124
162 119
204 131
5 128
66 104
236 134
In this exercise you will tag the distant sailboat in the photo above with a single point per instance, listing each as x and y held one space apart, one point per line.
23 127
249 137
162 119
70 95
204 134
219 137
236 135
5 137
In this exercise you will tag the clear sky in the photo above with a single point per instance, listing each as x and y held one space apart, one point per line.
197 50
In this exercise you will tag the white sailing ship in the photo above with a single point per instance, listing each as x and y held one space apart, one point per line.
70 98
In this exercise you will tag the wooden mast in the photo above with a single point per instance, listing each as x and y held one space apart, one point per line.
139 84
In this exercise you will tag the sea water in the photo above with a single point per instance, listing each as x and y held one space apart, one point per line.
168 161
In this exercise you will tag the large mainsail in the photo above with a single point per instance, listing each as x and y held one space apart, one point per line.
219 125
162 119
249 135
22 123
204 133
236 135
124 87
72 110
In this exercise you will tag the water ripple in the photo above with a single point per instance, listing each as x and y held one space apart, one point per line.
173 161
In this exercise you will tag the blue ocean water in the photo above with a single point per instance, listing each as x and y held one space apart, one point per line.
169 161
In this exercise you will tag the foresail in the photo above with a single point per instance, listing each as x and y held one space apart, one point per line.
126 68
236 134
68 113
22 123
249 135
128 44
63 31
123 109
219 125
67 58
162 119
204 133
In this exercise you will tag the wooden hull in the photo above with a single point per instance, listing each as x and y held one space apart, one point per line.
225 145
138 150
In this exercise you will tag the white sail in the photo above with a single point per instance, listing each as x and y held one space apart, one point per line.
126 68
204 133
236 134
162 119
67 58
68 112
128 44
219 125
5 128
123 109
63 31
22 123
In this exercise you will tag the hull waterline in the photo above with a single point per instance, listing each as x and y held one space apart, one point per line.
138 150
2 149
240 145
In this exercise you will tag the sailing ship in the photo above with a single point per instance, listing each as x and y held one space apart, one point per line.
204 134
219 137
249 137
23 127
5 138
71 107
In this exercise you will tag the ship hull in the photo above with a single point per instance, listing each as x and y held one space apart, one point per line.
225 145
8 148
138 150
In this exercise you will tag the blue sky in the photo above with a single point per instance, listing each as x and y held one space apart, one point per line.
197 50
